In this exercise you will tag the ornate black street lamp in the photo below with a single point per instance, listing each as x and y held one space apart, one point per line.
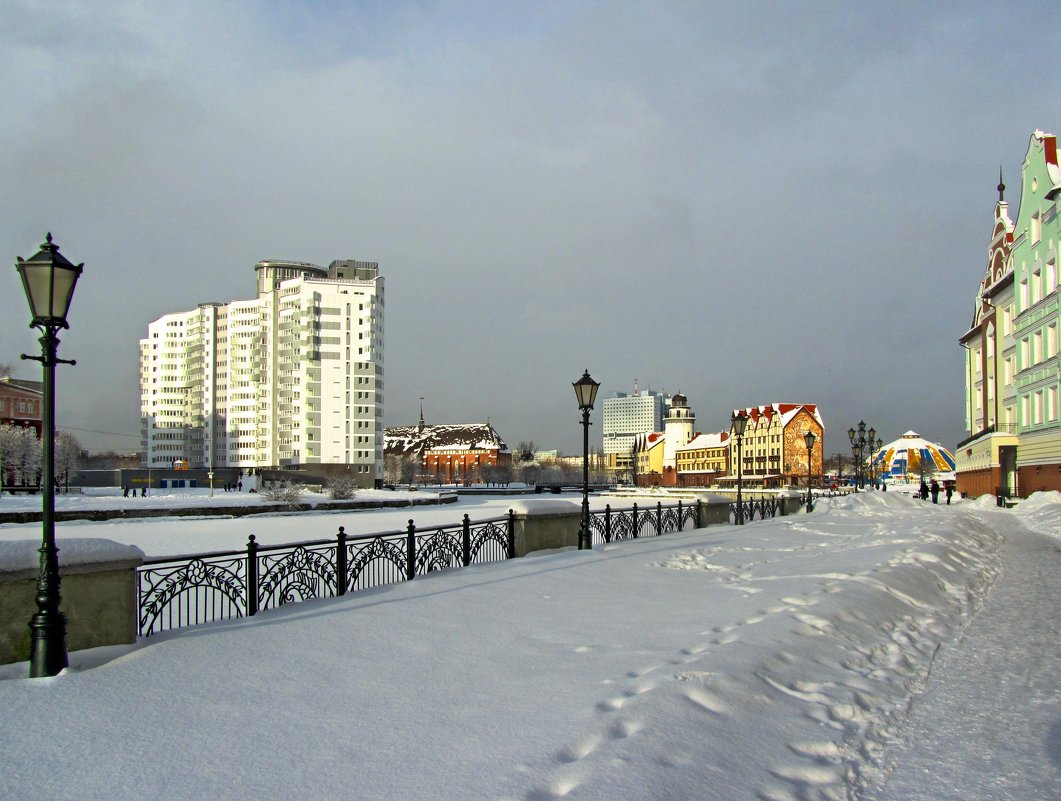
859 444
49 280
586 393
809 438
739 421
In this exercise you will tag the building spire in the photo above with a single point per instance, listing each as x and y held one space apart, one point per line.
420 426
1001 186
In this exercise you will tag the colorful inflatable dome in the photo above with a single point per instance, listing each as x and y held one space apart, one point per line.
905 456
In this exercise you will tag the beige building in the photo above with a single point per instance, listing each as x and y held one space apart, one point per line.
704 460
773 449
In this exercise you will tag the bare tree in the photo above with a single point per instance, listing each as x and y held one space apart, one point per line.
524 452
25 450
67 457
8 444
400 469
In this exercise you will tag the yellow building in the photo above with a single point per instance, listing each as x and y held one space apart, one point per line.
704 460
650 463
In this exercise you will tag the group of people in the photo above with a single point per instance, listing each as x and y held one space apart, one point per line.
127 491
933 489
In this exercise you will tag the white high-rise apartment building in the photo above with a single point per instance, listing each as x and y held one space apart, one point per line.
291 378
625 416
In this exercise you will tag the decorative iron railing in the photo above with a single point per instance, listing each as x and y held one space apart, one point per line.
179 591
620 524
760 508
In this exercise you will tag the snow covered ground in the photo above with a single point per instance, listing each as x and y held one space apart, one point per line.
180 535
806 657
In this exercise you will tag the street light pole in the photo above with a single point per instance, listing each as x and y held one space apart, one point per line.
859 443
48 279
738 422
809 438
586 393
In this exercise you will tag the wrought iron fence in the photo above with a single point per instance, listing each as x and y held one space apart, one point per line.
621 524
179 591
757 507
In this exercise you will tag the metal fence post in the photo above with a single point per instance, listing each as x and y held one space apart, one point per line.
659 518
699 510
410 552
511 534
466 540
634 531
607 522
340 562
681 521
252 576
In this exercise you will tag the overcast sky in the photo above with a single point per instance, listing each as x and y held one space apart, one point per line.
746 203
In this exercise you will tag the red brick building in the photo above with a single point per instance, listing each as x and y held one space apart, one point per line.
20 403
449 454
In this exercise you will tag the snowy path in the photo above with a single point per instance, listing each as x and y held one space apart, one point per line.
989 723
788 660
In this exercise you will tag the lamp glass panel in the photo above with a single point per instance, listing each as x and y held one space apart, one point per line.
49 289
585 391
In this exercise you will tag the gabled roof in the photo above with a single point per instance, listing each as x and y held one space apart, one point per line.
414 440
786 411
648 441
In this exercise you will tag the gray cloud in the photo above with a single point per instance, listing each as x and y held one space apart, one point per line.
786 202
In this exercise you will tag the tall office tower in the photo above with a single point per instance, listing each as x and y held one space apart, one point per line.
291 378
627 415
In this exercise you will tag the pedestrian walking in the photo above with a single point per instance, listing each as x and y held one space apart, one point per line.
934 489
950 491
923 492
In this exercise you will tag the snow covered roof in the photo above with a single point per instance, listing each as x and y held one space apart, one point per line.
648 441
717 439
414 440
786 411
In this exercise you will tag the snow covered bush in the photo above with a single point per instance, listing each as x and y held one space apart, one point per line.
341 488
282 491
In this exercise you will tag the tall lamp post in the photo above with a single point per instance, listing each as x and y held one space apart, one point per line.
876 453
809 438
859 443
739 421
48 279
586 393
